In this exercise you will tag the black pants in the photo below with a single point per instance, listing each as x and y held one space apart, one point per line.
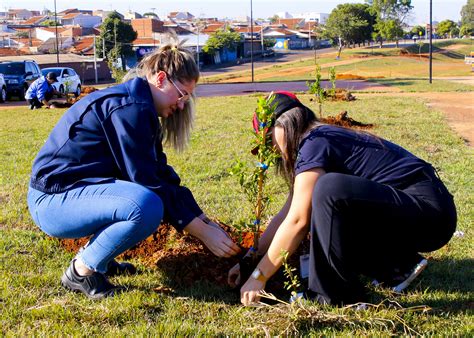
37 103
360 227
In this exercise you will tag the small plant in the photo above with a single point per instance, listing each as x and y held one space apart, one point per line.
332 77
253 183
292 283
316 89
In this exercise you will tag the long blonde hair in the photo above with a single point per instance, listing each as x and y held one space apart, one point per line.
178 63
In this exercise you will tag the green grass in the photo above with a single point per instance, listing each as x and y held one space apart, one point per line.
370 62
33 303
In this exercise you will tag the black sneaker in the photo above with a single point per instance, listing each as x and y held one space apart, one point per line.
400 278
32 106
95 286
115 268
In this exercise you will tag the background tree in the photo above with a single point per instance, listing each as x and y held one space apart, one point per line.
268 42
274 19
466 30
50 23
416 31
467 13
446 28
390 29
343 25
391 15
118 37
222 39
467 19
150 14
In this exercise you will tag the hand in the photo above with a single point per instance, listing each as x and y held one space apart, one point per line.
250 292
233 277
218 241
213 237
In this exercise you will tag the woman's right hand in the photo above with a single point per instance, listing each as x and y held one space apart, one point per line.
233 277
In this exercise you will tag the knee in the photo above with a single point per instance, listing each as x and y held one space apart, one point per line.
148 211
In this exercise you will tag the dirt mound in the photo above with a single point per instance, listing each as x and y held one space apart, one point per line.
85 91
342 119
184 259
356 77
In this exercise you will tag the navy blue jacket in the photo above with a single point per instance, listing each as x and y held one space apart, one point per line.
112 134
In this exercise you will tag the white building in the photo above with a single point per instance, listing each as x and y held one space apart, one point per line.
313 17
79 19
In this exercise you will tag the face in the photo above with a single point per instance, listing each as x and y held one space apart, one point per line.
278 140
169 95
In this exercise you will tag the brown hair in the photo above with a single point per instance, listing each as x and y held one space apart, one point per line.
295 122
178 63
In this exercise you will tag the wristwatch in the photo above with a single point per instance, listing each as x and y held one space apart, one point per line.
258 275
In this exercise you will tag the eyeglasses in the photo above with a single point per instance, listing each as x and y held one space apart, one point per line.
182 96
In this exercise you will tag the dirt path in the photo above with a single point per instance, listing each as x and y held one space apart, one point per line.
458 109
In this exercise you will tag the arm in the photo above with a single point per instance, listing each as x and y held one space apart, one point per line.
272 228
288 236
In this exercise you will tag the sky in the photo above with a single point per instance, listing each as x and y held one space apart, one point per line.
442 9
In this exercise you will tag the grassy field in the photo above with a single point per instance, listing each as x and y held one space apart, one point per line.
448 61
33 302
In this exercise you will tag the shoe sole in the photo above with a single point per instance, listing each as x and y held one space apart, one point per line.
416 272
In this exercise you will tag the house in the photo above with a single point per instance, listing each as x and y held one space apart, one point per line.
19 14
286 38
35 20
49 46
131 15
83 46
284 15
180 16
79 19
293 23
75 10
213 27
45 33
146 27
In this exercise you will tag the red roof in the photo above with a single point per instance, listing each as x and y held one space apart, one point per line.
146 41
53 29
84 45
211 28
70 16
33 20
26 41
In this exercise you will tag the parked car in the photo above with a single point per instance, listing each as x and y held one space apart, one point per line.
68 80
3 89
19 75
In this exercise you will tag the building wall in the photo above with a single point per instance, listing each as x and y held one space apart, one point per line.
145 27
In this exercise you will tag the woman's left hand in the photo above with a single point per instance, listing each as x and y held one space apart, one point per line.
250 292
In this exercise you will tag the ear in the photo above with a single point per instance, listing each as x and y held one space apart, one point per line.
159 78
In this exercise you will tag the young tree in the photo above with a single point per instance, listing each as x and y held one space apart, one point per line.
222 39
446 28
344 25
118 37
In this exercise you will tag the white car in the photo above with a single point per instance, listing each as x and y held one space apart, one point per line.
3 89
68 80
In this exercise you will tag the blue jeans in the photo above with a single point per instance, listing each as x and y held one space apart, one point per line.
118 215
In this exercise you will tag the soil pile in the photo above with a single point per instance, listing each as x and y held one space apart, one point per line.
342 119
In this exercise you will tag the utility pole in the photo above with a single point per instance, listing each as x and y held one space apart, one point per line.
431 41
56 25
95 62
251 39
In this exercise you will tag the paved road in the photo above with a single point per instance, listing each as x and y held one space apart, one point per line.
226 89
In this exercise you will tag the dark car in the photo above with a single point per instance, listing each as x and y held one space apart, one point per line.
19 75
